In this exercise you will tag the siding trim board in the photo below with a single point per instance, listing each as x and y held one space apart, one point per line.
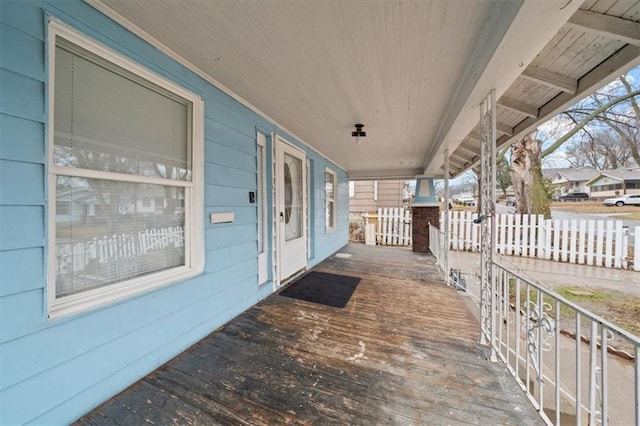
55 371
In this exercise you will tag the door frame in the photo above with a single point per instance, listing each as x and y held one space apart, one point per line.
282 146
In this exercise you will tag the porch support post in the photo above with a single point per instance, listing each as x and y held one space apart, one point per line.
487 209
425 210
445 223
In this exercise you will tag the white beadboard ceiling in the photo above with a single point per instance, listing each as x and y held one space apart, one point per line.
413 72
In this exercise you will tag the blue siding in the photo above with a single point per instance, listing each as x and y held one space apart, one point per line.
21 96
21 270
55 371
21 139
30 191
21 227
21 53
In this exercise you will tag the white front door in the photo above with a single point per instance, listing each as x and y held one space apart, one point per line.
291 205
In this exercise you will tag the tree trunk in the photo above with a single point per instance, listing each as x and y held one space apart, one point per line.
526 177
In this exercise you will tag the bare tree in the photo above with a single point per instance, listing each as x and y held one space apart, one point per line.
503 176
609 124
526 175
601 151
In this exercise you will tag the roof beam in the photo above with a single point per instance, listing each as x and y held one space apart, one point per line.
463 157
607 26
504 129
475 137
501 128
617 64
474 153
458 161
551 79
519 107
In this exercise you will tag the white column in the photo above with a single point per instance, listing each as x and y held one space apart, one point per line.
445 223
487 209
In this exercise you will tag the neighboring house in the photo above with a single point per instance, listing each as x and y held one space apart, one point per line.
77 207
571 179
611 183
367 196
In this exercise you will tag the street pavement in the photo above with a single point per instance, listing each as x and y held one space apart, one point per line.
552 274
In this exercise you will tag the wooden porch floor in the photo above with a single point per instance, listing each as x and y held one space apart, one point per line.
403 351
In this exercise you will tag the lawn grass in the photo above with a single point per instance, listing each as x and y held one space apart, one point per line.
616 307
621 309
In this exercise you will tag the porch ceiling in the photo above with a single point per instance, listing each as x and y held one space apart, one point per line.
412 72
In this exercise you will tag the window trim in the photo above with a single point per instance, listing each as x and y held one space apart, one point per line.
331 227
194 219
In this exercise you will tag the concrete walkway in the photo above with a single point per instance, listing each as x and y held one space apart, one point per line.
554 274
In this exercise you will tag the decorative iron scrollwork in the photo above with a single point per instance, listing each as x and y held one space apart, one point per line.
539 327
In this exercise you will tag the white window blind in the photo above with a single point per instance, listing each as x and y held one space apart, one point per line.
108 119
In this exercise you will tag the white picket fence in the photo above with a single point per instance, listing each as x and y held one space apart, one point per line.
394 227
587 242
74 257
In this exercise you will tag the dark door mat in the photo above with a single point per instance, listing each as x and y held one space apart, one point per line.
325 289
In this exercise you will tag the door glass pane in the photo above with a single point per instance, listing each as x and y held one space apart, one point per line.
293 214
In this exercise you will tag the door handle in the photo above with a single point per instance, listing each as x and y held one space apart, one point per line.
281 217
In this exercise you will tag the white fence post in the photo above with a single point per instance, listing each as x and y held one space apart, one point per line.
609 245
620 253
394 227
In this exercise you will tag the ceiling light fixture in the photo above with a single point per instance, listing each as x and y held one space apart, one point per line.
359 133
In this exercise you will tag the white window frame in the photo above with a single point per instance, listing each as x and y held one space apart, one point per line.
261 199
194 189
333 226
352 188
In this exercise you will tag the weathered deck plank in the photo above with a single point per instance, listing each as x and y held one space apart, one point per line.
403 351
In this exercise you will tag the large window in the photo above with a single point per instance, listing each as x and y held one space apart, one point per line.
330 189
123 149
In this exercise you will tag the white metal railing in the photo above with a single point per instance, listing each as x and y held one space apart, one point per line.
437 245
567 359
575 367
462 274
